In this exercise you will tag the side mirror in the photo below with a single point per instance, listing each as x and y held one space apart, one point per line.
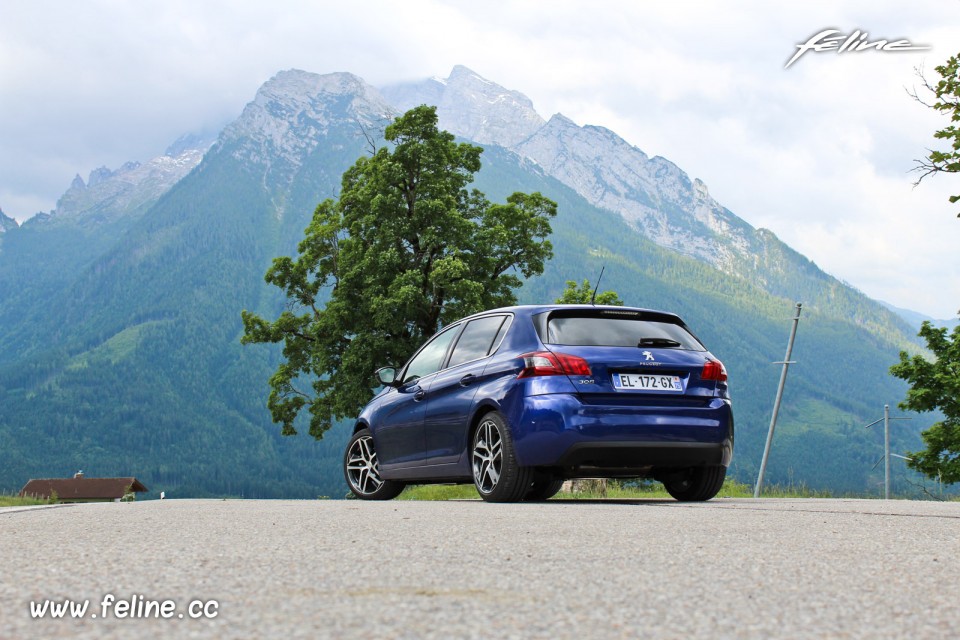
387 376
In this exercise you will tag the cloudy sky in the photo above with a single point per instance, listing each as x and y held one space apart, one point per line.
820 153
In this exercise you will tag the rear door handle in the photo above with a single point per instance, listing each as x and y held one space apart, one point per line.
467 379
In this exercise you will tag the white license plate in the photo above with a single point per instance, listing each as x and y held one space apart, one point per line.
644 382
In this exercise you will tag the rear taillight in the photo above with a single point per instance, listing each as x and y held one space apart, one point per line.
714 370
548 363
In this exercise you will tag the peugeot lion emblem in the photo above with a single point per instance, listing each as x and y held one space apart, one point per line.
648 355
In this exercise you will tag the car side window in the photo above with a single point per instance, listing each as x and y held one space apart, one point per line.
430 357
500 334
476 339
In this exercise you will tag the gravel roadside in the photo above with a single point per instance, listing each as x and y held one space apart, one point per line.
732 568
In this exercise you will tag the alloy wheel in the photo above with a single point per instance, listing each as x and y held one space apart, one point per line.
363 470
487 456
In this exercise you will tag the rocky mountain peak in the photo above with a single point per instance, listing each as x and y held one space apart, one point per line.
7 223
108 194
189 142
296 102
653 194
293 111
471 106
302 91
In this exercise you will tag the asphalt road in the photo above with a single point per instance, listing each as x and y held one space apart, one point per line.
346 569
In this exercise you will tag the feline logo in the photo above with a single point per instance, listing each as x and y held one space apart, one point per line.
648 355
856 41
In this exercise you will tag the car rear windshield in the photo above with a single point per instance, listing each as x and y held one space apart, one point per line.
606 331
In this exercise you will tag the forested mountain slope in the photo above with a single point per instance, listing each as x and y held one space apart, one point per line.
119 338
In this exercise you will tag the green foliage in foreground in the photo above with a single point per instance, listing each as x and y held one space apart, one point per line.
935 386
439 492
17 501
616 491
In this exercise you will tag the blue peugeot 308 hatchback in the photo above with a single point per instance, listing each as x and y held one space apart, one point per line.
516 400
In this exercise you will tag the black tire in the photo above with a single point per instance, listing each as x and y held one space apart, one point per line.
361 470
697 484
544 487
496 474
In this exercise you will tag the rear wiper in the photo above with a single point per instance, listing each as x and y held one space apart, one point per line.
658 342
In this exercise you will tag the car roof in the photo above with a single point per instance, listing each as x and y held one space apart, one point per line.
534 309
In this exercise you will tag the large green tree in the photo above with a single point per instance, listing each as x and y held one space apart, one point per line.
404 250
946 99
935 385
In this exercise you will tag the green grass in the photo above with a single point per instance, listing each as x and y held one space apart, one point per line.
439 492
17 501
649 490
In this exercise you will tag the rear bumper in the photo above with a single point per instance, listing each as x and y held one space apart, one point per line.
628 459
558 430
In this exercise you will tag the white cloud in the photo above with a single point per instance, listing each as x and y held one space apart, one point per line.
819 153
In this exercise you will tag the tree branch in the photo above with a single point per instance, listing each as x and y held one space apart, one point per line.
371 143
